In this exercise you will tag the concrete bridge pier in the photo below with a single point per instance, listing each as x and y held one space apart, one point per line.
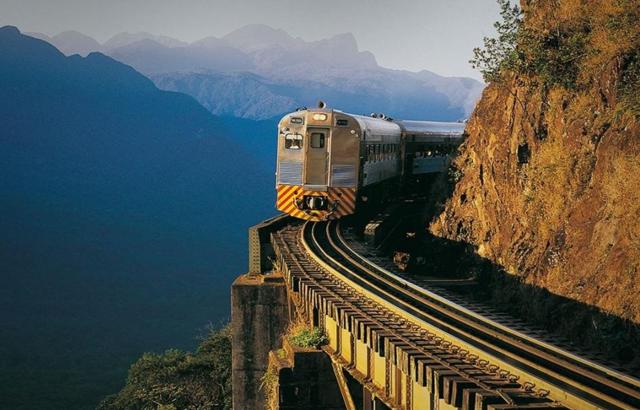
259 318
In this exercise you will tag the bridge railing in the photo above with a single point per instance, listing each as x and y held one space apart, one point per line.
260 248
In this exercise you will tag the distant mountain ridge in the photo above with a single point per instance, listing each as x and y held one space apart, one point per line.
124 211
273 73
71 42
124 39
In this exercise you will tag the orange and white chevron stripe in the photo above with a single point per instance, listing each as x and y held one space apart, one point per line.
344 197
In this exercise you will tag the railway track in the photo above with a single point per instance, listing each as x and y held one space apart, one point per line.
546 372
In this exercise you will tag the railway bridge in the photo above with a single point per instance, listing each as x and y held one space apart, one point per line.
391 342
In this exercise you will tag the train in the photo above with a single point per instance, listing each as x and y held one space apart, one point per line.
331 163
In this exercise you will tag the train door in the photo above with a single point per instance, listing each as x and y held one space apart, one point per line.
317 157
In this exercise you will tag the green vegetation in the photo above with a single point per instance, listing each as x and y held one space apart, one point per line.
549 54
552 54
308 338
269 385
570 44
499 54
180 380
630 84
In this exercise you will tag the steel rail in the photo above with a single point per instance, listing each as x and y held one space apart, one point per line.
631 385
440 361
450 311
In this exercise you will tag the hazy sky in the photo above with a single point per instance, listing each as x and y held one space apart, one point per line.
436 35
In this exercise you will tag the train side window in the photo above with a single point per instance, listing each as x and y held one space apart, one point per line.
317 140
293 141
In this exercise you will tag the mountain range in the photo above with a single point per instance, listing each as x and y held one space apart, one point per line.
124 211
258 72
130 172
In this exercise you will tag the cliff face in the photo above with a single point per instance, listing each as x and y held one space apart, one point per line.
549 177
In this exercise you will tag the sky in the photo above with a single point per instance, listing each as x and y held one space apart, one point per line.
436 35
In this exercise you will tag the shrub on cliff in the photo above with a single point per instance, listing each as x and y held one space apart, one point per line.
499 53
179 380
309 338
570 50
549 53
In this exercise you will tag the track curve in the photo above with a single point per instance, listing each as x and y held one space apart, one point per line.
580 381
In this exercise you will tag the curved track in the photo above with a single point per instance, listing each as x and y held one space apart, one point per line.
567 376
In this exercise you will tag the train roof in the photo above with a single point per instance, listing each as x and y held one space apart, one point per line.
386 126
448 129
435 128
376 125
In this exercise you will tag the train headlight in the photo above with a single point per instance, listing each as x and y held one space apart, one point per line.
320 117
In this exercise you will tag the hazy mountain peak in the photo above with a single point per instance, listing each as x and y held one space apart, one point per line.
73 34
9 30
258 36
17 48
74 42
145 44
342 51
68 42
39 36
258 30
210 42
124 39
343 39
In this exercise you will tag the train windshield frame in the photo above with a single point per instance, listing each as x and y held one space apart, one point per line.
293 141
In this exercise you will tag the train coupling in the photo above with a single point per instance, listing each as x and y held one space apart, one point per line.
313 202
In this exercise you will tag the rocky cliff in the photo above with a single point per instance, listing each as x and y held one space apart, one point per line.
548 181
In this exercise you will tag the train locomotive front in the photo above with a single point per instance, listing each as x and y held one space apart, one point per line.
316 177
330 162
319 167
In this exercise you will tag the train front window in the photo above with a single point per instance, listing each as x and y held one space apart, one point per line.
317 140
293 141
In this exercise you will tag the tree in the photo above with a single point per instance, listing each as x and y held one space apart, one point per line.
499 53
179 380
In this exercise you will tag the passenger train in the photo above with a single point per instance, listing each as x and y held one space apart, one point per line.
331 163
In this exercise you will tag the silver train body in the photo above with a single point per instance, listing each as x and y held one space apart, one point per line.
330 162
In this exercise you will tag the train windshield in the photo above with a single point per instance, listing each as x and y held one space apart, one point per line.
293 141
317 140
